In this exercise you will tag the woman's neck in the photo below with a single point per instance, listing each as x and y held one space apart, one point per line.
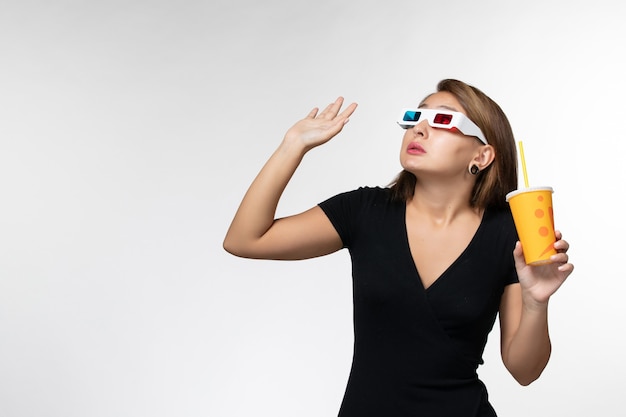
441 203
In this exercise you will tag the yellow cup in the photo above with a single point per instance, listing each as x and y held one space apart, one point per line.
534 221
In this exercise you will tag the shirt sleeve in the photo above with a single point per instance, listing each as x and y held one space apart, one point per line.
350 211
341 211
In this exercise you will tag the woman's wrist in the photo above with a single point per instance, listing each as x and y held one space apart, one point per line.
530 304
292 147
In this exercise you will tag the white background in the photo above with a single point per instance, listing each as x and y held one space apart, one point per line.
129 131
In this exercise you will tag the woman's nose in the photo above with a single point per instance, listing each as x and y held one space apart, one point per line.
420 128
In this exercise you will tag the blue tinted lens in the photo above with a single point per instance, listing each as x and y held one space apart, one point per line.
411 116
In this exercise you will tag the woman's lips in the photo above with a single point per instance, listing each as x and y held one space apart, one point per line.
415 148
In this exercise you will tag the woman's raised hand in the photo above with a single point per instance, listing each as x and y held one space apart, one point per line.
318 128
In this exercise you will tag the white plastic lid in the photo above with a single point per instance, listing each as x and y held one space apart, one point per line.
526 190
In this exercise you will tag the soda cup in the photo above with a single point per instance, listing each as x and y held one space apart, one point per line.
534 221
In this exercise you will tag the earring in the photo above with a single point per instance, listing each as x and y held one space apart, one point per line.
474 170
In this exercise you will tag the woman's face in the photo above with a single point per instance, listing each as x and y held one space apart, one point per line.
431 150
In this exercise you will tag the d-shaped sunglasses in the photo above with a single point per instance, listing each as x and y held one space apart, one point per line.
444 119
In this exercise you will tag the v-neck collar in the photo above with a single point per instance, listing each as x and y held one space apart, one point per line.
462 255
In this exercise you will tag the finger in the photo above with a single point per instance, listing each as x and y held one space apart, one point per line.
567 268
330 112
312 113
347 112
559 258
561 246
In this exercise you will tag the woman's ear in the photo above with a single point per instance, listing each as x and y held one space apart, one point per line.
484 156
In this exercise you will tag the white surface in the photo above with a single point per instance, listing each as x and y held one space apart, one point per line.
129 131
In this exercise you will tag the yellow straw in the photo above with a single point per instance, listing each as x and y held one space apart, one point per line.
521 152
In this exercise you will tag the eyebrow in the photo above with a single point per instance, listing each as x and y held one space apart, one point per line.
425 106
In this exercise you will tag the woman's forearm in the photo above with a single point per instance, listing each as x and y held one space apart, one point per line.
256 212
529 350
255 216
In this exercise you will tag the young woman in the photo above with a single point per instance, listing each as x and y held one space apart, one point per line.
435 256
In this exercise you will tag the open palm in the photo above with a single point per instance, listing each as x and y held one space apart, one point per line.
316 129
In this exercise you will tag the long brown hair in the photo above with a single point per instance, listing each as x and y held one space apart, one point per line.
500 177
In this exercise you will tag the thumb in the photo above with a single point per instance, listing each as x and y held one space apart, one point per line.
518 255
